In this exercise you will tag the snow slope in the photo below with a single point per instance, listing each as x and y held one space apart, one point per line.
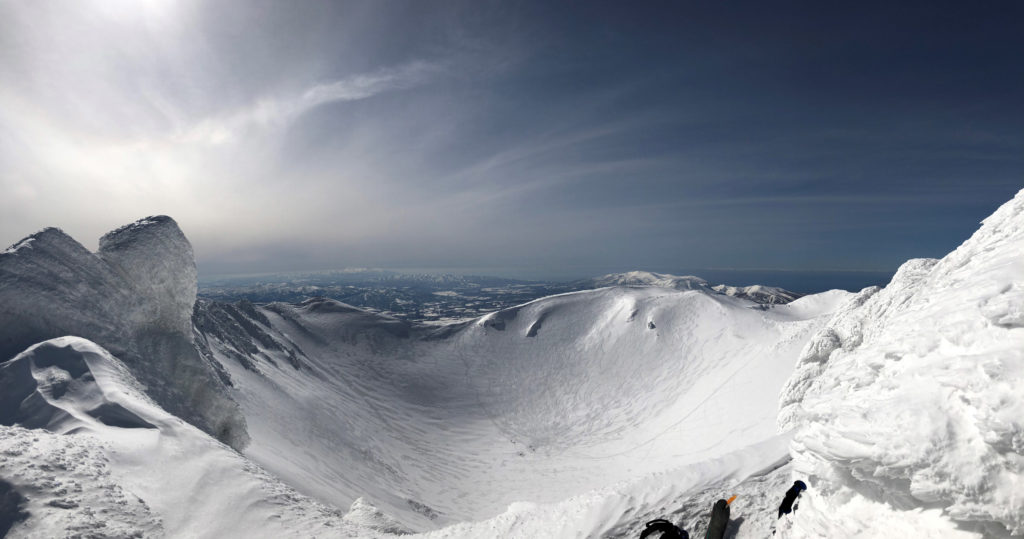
908 407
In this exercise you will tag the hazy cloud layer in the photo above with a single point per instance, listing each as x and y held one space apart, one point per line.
550 139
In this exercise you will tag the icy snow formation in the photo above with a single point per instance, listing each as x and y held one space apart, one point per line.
134 297
909 404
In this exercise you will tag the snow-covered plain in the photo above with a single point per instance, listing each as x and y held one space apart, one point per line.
579 415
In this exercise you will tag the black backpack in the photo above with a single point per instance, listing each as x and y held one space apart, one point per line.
667 529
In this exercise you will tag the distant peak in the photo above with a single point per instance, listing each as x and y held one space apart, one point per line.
756 293
648 278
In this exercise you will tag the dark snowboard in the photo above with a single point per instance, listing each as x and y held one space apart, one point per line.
719 520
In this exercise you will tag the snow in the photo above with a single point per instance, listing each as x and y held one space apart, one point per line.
535 403
911 397
647 278
579 415
110 462
767 295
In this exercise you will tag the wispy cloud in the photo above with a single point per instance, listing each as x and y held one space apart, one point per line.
271 112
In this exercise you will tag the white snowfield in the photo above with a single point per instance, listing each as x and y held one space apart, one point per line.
579 415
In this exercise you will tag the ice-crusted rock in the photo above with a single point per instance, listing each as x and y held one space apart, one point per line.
913 395
134 298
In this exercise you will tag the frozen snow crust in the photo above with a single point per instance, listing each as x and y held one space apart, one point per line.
909 405
134 297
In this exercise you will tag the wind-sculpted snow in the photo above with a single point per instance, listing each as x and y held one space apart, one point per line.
90 455
134 297
912 398
64 385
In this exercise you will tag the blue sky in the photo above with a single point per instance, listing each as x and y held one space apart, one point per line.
529 139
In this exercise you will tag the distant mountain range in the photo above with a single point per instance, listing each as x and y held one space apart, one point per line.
440 298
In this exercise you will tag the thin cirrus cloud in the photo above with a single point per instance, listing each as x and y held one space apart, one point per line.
271 112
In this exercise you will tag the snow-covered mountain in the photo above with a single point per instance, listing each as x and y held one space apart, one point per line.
583 414
647 278
766 295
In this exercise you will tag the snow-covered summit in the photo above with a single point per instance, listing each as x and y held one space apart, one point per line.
768 295
647 278
134 297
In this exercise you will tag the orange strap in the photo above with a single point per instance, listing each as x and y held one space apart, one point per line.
729 501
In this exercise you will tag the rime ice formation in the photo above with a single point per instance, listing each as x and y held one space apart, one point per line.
134 297
912 396
156 258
